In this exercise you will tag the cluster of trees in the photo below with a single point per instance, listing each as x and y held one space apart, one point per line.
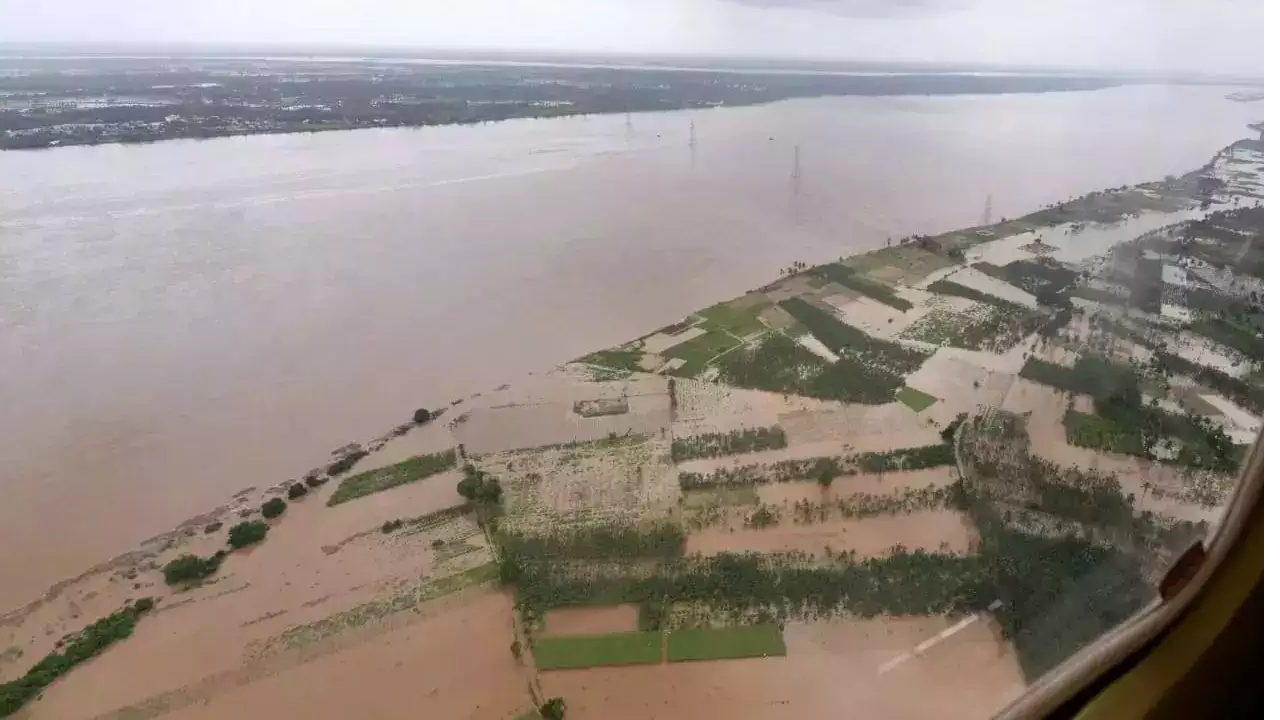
823 469
274 508
916 458
735 442
82 646
479 487
861 505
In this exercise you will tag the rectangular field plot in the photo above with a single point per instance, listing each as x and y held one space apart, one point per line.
583 651
749 641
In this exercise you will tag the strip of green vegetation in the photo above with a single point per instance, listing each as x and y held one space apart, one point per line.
955 289
584 651
1099 295
385 478
1233 336
697 352
86 644
915 399
916 458
594 542
748 641
618 358
735 442
746 586
879 292
404 599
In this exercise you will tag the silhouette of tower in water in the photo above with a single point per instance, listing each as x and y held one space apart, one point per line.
986 211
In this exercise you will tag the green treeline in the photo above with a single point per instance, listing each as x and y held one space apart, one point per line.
731 443
916 458
83 646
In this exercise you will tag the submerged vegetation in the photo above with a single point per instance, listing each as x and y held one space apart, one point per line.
734 442
78 648
385 478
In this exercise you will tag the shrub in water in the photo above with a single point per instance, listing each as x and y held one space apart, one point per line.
247 533
190 568
273 508
297 490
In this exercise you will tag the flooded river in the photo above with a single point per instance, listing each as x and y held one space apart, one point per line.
182 320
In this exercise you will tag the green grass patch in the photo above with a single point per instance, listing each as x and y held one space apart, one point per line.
584 651
724 643
739 321
1099 433
879 292
697 352
618 358
385 478
915 399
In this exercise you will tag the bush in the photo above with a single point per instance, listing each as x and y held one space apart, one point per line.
479 486
552 709
391 526
297 490
144 605
274 507
190 568
212 527
316 481
247 533
346 462
422 415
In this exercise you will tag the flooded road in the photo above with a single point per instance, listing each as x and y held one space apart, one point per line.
182 320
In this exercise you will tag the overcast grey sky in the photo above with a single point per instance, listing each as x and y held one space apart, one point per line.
1209 35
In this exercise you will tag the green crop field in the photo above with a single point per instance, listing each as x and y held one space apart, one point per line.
915 399
723 643
583 651
385 478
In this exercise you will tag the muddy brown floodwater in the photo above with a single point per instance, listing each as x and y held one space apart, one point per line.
181 320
